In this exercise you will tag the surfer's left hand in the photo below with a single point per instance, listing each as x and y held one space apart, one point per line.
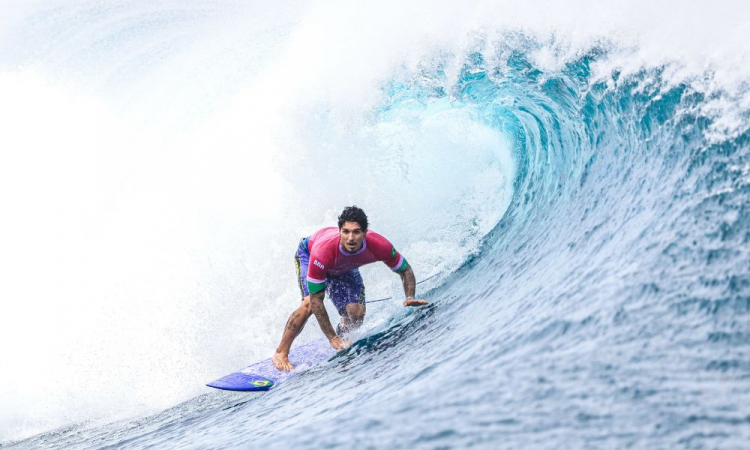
415 302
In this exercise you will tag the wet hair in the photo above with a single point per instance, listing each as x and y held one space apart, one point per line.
353 214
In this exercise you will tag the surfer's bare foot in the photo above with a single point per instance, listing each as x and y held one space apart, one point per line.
281 361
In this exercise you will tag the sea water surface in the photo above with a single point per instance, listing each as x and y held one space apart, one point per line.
572 181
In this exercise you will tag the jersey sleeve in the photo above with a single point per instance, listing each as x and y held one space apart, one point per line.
316 273
386 252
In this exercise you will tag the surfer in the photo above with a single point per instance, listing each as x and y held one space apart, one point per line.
329 260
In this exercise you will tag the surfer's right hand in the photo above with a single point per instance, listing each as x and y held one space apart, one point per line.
281 361
340 343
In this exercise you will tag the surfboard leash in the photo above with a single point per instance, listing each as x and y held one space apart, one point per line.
418 283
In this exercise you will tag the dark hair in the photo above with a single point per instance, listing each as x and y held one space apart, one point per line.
353 214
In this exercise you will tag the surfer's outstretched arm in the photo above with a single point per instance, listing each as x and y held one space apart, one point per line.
410 287
319 309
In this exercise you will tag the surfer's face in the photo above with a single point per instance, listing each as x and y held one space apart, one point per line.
352 236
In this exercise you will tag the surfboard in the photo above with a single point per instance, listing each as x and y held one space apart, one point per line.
263 375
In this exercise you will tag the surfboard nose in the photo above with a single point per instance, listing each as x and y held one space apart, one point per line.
239 381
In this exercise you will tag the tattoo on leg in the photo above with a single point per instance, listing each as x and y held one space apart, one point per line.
290 325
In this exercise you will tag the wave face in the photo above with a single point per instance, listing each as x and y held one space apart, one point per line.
586 225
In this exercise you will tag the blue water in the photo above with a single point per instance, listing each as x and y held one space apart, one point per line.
608 308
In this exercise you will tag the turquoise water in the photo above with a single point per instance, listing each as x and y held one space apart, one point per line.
607 306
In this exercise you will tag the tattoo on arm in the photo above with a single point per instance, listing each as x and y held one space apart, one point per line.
316 301
409 281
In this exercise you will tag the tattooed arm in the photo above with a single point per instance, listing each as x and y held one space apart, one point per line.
319 309
410 286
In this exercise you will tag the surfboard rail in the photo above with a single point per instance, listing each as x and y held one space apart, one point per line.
263 375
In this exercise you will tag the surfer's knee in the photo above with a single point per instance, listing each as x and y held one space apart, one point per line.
355 312
306 307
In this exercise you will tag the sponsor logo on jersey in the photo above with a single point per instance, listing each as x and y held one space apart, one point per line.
393 252
317 263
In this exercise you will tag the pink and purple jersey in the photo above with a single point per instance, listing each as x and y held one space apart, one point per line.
328 257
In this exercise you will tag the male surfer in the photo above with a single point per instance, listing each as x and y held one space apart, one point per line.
329 260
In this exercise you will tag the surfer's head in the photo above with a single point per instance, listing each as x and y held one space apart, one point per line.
353 214
352 228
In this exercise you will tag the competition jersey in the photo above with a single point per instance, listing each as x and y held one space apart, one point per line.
328 257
